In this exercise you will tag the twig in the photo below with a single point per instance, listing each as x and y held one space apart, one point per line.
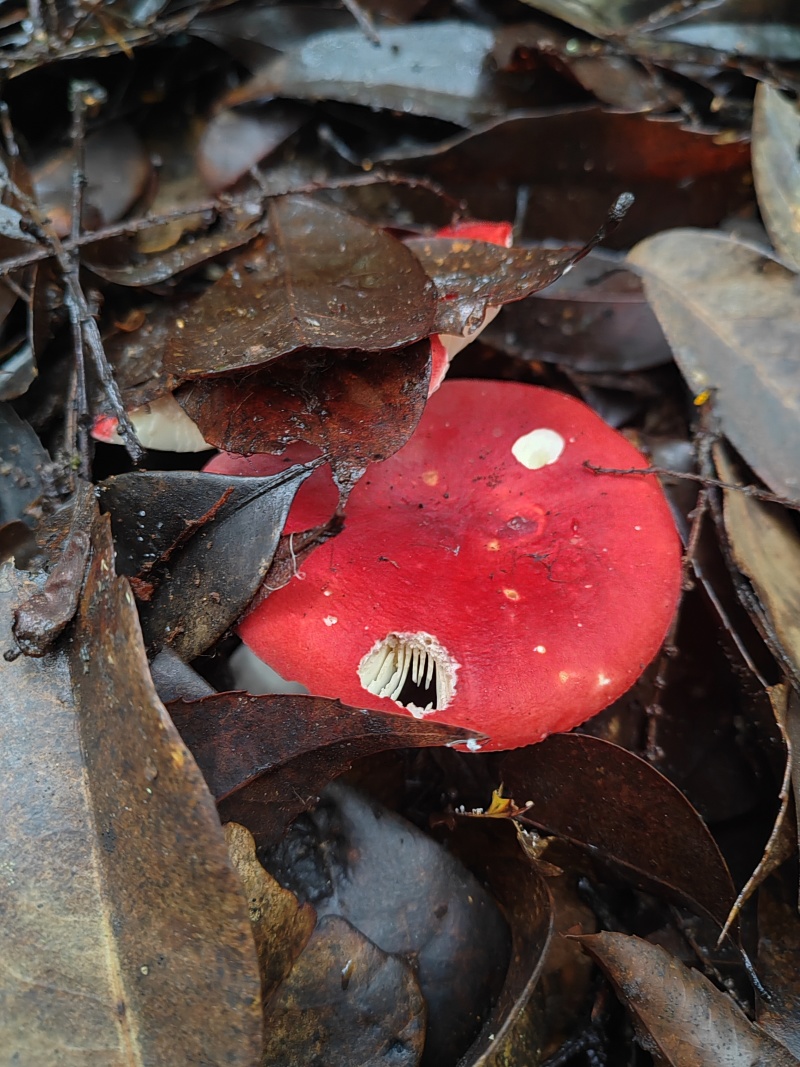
704 480
73 296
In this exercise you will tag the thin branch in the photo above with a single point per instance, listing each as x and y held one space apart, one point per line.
702 479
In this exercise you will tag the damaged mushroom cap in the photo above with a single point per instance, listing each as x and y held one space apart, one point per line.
485 575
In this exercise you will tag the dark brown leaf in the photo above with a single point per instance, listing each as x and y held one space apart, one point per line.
356 409
603 798
678 1013
346 1002
354 858
471 275
571 163
294 745
318 278
39 620
123 920
199 545
594 319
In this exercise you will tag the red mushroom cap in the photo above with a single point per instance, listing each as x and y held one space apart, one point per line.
483 570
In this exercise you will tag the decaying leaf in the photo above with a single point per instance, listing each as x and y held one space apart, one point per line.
679 1015
288 747
356 409
197 546
730 313
125 936
319 278
354 858
594 794
281 924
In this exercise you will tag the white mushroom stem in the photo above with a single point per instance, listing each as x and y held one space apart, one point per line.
162 424
386 668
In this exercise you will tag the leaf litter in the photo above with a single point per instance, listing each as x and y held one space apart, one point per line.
293 312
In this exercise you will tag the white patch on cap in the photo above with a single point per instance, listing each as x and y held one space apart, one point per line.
330 620
391 662
538 449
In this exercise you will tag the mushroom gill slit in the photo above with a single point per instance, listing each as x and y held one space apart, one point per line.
412 669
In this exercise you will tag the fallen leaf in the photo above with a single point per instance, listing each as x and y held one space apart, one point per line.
281 924
198 547
289 747
594 319
610 802
39 620
765 546
679 1015
778 965
125 932
352 857
472 275
439 69
731 315
776 169
346 1004
319 278
355 408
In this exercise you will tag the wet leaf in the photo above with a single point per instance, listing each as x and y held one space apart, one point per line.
293 745
126 942
679 1015
776 169
603 798
731 315
514 1033
779 966
354 858
319 278
595 319
438 69
236 139
198 546
117 168
470 275
346 1003
139 270
356 409
281 925
569 164
765 545
23 460
39 620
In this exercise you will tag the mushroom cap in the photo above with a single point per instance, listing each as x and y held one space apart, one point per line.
485 550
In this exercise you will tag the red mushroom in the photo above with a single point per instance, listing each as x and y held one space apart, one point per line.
485 574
